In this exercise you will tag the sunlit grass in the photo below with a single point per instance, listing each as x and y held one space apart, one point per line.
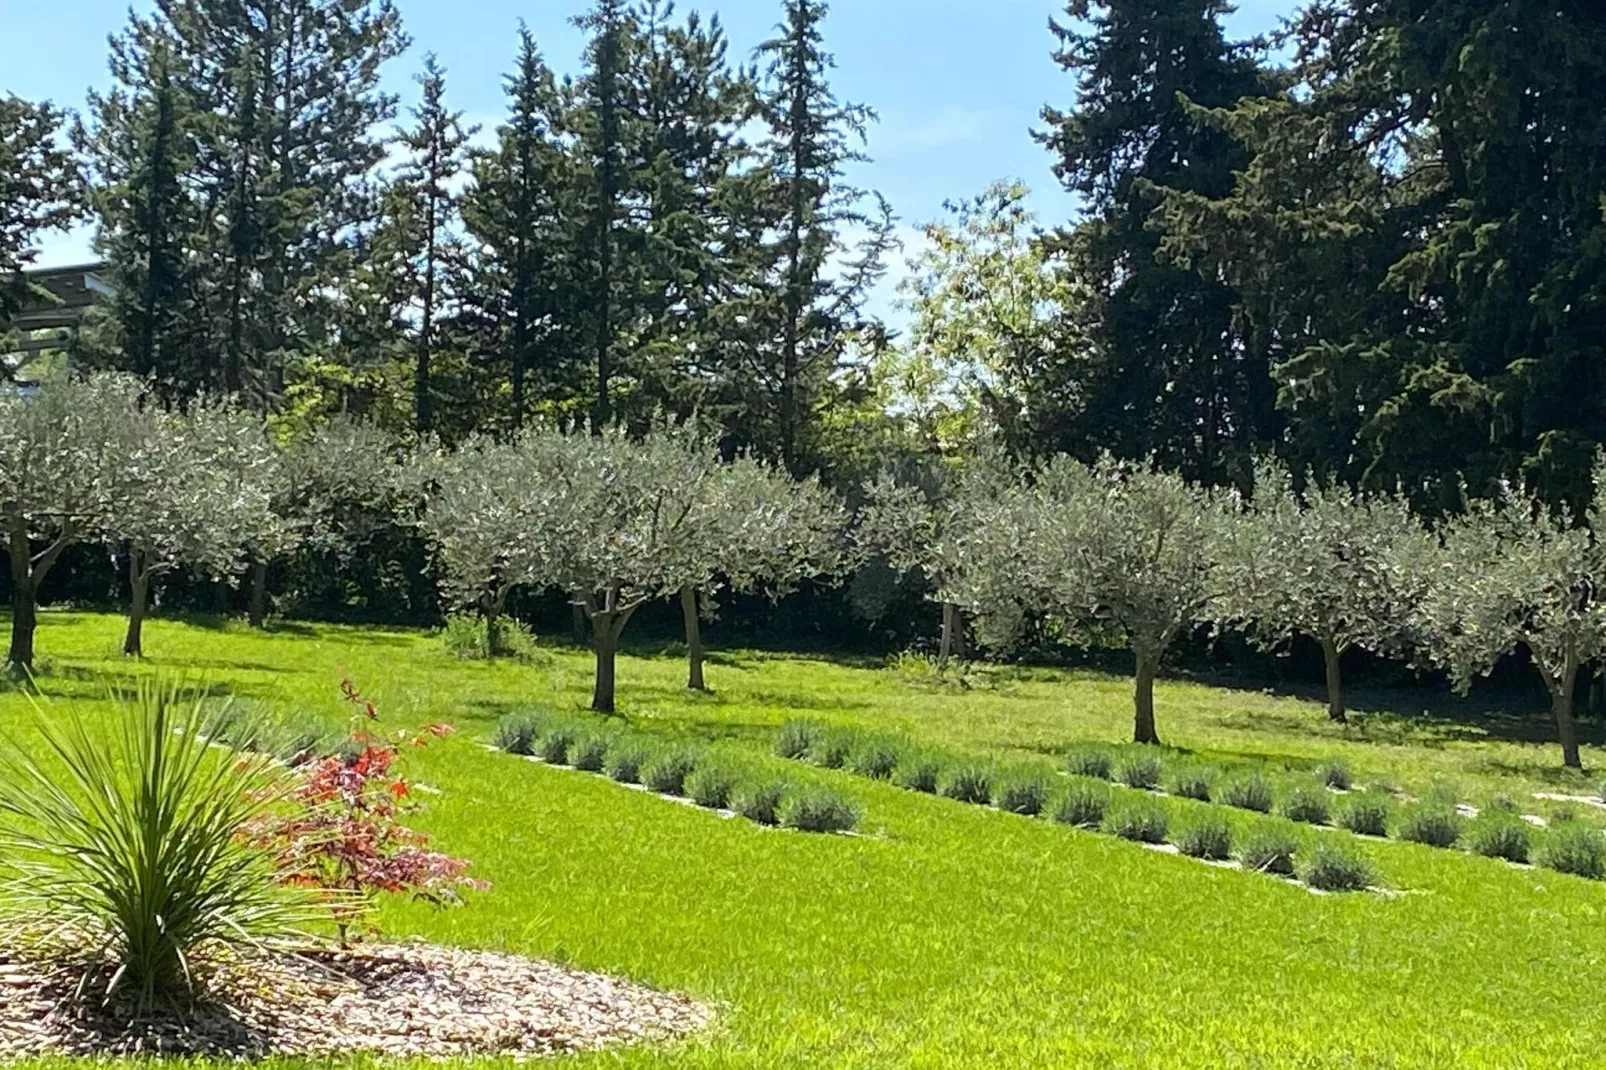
948 934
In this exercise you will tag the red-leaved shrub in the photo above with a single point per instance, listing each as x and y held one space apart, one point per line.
343 832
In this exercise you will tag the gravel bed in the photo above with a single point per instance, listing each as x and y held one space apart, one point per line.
414 1000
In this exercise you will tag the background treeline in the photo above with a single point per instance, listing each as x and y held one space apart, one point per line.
1372 245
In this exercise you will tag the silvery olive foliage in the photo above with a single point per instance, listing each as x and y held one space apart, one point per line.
1319 562
1113 547
941 531
620 522
1509 573
195 493
69 454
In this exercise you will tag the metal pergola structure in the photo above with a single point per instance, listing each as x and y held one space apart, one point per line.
48 323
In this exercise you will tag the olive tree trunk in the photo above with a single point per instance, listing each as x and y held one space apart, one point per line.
953 633
1562 686
139 587
491 607
1143 730
608 620
27 573
258 609
1335 681
694 640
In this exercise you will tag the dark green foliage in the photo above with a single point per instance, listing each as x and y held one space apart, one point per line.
1139 771
1250 791
1022 795
666 773
919 772
1309 804
967 782
1497 835
874 758
1207 836
1574 848
1561 813
1192 783
589 752
516 733
626 757
1082 802
830 749
1333 865
1137 819
1089 763
1269 849
1435 824
760 800
797 738
710 784
1335 774
1366 814
818 810
555 740
1503 804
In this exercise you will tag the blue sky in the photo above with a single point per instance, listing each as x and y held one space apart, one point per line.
958 84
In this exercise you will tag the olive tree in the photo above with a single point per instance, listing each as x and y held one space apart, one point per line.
1509 574
333 489
756 528
66 455
1319 562
195 493
929 527
1113 548
494 516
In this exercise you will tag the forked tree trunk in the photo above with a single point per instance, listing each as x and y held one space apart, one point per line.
1143 730
694 640
27 573
139 586
607 625
258 611
1335 682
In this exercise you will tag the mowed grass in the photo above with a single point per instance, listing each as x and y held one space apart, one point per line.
947 935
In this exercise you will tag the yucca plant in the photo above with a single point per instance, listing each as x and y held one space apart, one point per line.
127 839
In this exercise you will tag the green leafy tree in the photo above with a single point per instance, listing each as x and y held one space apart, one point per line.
1321 562
41 189
989 298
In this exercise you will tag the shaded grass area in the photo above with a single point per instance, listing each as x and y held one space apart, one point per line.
947 935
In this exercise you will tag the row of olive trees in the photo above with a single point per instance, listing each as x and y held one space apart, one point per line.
620 522
1122 553
101 460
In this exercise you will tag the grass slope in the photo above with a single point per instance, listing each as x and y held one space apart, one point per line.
949 935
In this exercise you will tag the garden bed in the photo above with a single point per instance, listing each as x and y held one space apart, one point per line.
414 1000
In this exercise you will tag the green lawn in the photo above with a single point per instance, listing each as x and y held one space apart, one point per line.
950 935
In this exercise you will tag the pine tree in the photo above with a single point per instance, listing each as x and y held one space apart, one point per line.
286 113
598 121
41 190
1167 373
143 150
426 210
812 138
517 210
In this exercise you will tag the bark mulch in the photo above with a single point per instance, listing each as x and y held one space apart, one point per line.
415 1000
